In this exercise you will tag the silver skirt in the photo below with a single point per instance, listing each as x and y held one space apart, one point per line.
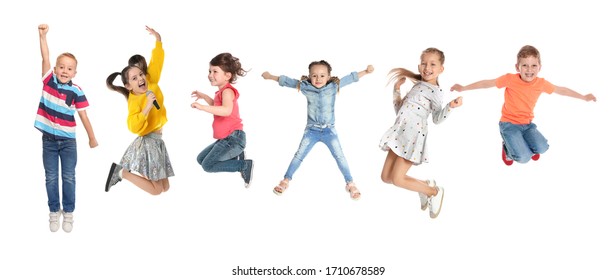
148 156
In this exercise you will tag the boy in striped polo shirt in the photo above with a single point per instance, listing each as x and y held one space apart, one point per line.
55 119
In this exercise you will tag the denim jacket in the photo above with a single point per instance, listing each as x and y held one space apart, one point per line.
320 101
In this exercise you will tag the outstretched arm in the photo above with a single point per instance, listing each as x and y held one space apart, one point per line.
43 28
266 75
572 93
368 70
476 85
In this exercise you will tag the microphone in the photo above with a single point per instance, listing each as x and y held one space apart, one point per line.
155 103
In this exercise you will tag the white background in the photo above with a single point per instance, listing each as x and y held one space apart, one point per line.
548 219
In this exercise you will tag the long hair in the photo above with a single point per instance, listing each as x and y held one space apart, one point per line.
397 73
230 64
124 75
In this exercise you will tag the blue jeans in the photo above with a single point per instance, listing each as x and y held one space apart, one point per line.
522 141
221 156
66 151
329 137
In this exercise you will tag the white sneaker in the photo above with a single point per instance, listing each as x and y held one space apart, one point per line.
67 222
435 202
54 221
423 199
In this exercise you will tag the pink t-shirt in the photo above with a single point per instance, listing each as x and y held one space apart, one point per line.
223 126
521 97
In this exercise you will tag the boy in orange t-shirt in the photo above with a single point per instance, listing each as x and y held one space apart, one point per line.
521 139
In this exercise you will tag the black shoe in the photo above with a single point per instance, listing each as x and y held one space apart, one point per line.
113 177
247 173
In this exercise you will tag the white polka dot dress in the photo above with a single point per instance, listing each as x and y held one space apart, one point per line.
407 137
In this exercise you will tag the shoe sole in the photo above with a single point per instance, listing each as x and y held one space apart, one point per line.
107 186
434 215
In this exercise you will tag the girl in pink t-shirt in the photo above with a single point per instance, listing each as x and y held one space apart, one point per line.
226 154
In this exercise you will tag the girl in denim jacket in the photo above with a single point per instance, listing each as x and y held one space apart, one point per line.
320 90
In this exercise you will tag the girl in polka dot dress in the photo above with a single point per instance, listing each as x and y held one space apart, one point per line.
405 141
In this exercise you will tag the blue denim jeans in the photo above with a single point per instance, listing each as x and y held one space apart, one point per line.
222 155
65 152
329 137
522 141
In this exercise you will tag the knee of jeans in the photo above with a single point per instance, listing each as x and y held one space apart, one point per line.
207 167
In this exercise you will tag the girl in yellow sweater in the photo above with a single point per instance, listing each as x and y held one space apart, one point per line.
146 161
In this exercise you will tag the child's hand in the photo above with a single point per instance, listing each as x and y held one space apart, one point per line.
43 28
456 102
197 105
198 95
153 32
93 143
369 69
457 87
590 97
266 75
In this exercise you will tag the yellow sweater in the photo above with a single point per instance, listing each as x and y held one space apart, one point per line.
139 123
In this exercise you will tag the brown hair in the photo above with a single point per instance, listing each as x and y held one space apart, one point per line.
124 74
398 73
329 72
230 64
529 51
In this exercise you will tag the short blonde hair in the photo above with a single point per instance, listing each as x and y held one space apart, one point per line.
69 55
528 51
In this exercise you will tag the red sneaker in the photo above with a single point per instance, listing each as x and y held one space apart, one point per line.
505 159
535 156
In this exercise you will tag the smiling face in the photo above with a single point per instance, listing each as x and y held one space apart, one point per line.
319 75
528 67
65 69
136 80
430 67
218 77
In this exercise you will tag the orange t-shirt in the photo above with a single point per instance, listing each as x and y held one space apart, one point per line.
521 97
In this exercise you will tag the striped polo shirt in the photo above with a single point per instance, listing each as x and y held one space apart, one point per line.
56 111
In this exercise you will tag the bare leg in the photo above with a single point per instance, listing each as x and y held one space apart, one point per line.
388 166
399 178
151 187
165 184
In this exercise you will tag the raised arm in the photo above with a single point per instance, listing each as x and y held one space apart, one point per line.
572 93
368 70
153 32
155 67
43 28
476 85
266 75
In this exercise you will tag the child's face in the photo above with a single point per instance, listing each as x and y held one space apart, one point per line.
136 81
218 77
319 75
528 67
65 69
430 67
